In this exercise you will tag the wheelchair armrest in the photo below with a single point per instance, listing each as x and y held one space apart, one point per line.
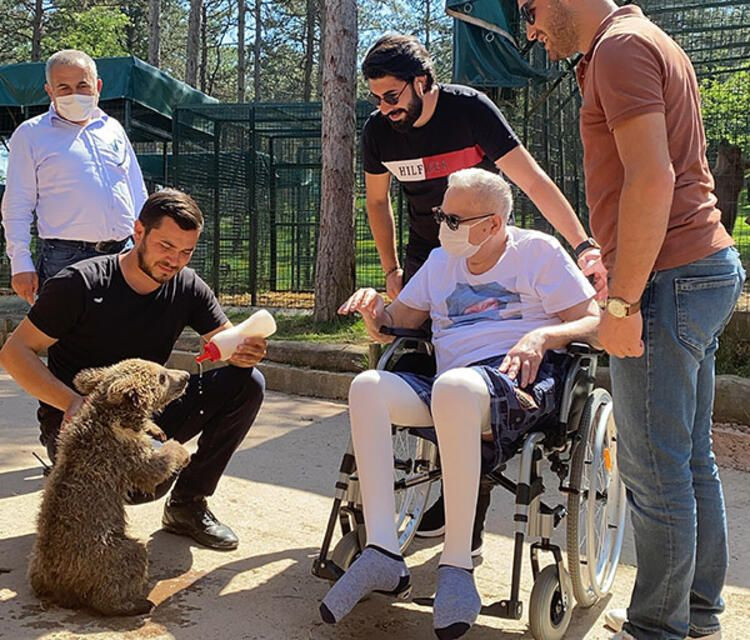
398 332
582 349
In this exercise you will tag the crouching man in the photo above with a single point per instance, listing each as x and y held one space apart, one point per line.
135 305
500 299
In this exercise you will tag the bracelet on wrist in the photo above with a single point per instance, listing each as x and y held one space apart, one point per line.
396 268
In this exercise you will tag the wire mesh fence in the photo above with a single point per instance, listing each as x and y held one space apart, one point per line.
255 169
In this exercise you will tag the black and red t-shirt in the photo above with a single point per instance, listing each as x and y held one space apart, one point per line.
466 130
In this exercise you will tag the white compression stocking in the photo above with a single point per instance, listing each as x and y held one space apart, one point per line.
460 409
378 399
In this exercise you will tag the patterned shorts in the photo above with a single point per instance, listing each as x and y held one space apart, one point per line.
508 419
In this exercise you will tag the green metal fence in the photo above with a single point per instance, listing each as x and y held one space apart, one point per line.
255 170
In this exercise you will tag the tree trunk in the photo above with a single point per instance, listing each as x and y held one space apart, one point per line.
193 42
36 31
257 51
241 60
427 24
334 267
204 49
309 49
154 32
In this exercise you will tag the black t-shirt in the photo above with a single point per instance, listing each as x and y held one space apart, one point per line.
99 320
466 130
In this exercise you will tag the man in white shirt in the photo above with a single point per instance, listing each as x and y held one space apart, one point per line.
501 300
75 167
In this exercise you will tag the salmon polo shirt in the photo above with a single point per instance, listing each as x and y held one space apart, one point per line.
634 68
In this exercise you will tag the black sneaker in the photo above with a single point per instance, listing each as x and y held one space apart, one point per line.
194 519
432 524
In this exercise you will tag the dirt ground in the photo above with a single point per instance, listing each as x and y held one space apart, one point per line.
276 495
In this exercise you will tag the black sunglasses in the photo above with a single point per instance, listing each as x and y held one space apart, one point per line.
527 13
452 220
389 97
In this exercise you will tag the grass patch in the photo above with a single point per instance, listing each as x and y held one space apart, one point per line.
300 326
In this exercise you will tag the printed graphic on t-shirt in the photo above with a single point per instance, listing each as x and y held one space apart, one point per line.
436 166
469 304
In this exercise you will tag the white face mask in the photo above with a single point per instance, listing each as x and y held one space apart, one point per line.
456 243
76 107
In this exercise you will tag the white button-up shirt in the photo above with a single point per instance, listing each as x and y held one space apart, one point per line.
83 182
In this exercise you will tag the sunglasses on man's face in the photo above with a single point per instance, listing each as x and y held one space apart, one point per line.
452 220
389 97
527 12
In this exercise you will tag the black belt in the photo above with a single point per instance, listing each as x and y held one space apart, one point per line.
103 246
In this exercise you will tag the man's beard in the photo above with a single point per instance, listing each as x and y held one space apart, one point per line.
148 270
563 37
412 113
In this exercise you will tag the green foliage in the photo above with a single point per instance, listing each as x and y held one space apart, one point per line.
726 108
98 31
300 326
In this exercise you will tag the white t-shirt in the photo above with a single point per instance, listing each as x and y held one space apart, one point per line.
480 316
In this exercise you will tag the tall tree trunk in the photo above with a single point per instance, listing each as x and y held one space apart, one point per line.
154 32
241 60
310 7
193 42
257 51
204 49
37 22
322 54
334 267
427 24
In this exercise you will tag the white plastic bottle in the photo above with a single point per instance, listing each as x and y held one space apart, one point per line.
223 345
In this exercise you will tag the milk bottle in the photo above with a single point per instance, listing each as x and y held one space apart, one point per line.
223 345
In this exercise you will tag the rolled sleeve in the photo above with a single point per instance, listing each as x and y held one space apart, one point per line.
19 202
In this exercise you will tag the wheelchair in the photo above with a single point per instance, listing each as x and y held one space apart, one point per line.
580 445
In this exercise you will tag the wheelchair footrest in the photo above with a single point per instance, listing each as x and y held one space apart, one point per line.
508 609
326 570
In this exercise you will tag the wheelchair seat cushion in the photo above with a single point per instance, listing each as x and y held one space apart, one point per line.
509 420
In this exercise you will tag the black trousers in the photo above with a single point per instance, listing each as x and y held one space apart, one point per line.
220 408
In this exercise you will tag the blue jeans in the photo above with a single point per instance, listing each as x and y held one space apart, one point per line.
663 404
55 255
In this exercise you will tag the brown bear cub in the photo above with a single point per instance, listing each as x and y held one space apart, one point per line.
82 557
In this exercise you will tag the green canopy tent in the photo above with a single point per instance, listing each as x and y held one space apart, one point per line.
485 52
142 97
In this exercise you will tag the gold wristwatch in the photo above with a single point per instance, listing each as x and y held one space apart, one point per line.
619 308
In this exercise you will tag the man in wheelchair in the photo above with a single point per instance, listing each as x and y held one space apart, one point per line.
499 299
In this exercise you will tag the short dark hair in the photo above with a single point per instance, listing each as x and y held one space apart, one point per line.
173 204
400 56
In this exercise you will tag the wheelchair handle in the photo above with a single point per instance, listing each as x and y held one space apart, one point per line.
398 332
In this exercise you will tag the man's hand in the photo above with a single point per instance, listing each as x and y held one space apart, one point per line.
590 262
249 352
25 284
74 407
621 337
394 282
525 358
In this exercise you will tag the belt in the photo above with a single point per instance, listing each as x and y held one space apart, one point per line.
103 246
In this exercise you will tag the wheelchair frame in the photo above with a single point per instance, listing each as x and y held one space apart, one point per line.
550 606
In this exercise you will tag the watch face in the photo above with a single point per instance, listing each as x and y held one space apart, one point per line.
617 308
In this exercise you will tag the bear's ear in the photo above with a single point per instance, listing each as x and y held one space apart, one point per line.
88 379
128 389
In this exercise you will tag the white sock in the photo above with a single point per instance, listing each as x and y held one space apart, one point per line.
378 399
460 409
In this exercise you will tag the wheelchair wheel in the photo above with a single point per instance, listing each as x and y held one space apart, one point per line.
551 604
597 507
413 456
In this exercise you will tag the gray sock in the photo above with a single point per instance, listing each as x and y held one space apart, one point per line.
375 570
457 602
